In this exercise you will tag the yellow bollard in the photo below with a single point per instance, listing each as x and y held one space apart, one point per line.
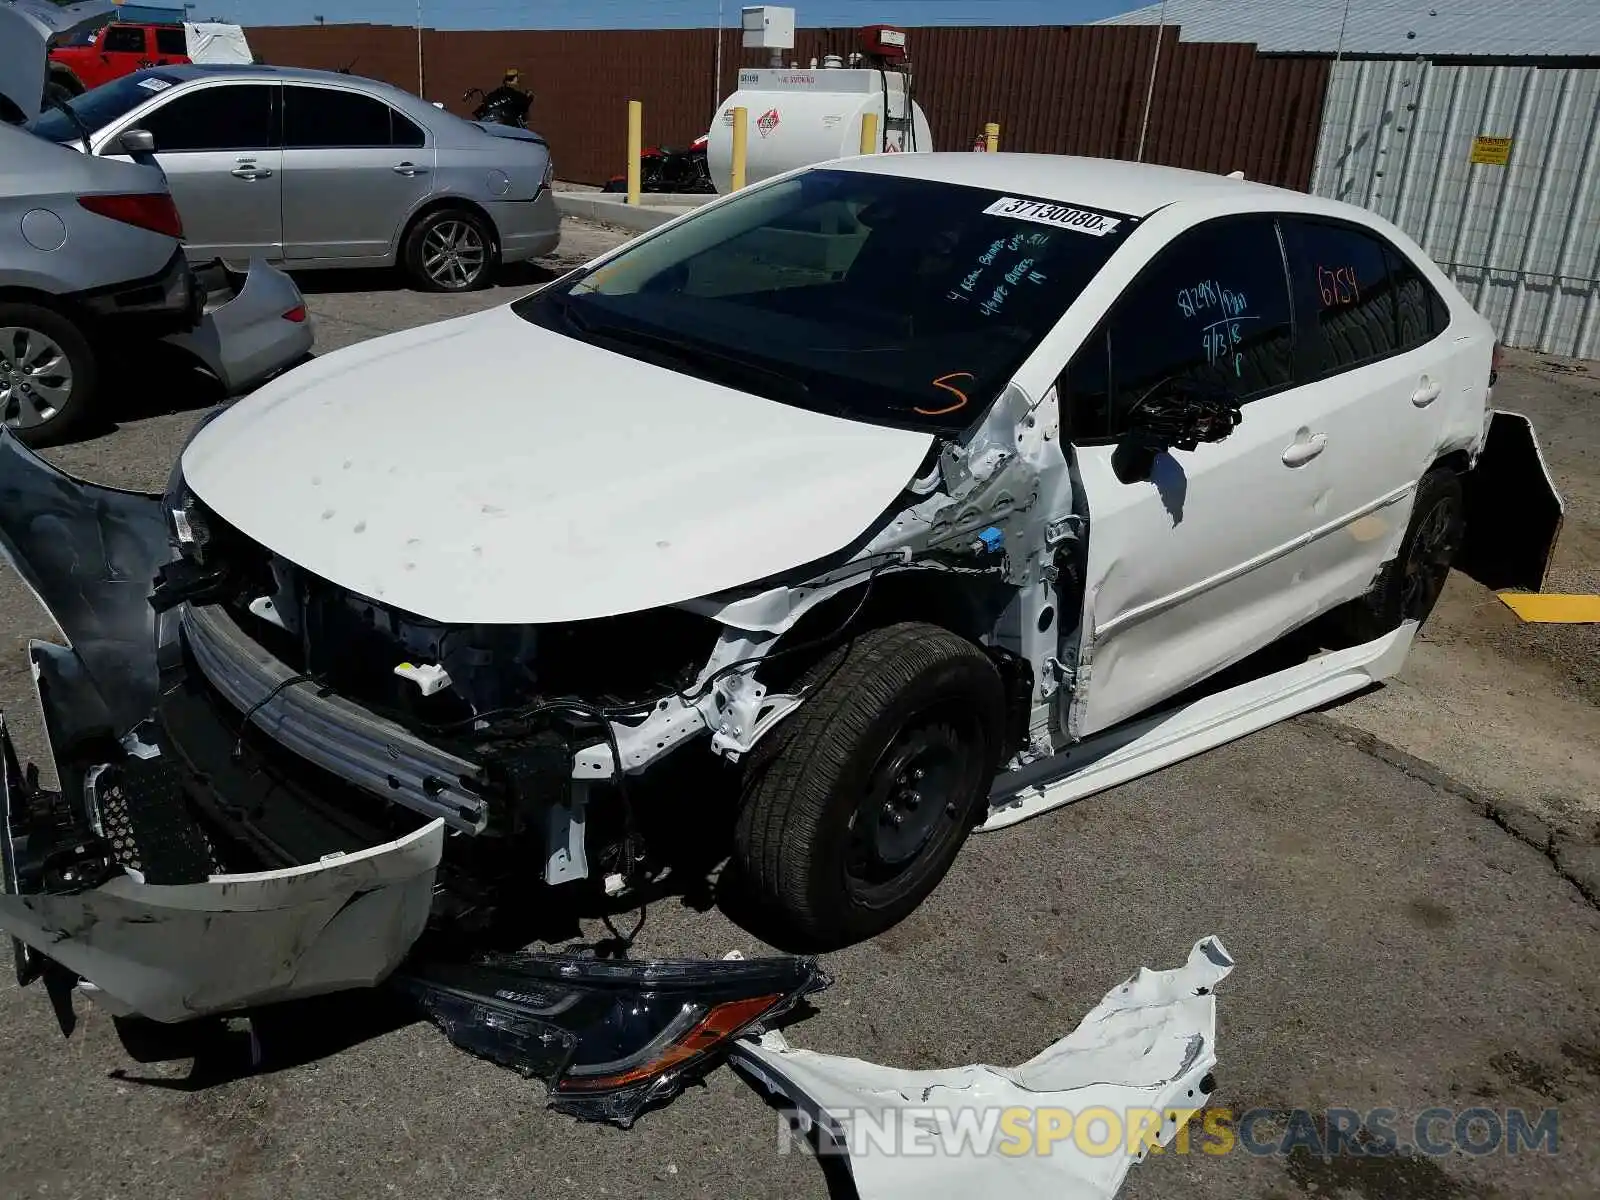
741 143
869 133
991 137
635 147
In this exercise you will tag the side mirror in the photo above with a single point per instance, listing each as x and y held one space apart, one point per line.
1177 414
138 141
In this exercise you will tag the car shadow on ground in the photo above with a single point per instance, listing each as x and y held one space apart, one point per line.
176 383
392 279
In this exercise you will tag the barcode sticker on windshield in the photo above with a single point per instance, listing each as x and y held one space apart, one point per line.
1060 215
154 85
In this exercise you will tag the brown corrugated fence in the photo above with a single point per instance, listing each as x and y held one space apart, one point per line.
1063 90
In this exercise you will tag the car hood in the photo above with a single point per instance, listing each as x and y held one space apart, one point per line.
488 470
23 58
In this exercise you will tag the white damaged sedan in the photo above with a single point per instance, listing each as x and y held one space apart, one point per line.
904 495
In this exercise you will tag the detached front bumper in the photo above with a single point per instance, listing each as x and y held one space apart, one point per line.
117 876
254 324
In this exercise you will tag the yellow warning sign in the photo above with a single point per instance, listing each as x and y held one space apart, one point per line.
1543 609
1491 151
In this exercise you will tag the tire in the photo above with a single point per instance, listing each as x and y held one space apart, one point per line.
854 808
1408 587
48 374
457 232
55 92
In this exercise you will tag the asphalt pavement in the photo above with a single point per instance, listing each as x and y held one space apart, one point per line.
1407 882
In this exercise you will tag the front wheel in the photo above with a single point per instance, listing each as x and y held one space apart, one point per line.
854 811
47 374
451 250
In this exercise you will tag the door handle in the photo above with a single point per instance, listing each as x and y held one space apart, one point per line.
1427 392
1297 454
408 169
250 171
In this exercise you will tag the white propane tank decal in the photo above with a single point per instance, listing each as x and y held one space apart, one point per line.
800 116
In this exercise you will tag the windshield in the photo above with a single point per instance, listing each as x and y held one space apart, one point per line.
100 106
897 301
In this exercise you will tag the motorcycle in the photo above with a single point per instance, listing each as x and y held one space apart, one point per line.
662 169
506 105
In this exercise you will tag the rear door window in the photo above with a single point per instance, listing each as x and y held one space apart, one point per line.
1420 312
1213 307
327 118
1342 275
234 117
172 41
406 131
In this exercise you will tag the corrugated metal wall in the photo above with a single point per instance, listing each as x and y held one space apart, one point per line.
1522 240
1064 90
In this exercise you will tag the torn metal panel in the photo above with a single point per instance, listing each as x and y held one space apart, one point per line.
113 878
89 553
609 1038
175 951
1147 1047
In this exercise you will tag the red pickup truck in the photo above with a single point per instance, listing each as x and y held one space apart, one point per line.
113 51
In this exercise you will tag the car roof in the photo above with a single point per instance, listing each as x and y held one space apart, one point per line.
409 103
188 71
1111 185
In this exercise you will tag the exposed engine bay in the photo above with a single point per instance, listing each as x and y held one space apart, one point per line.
507 730
244 715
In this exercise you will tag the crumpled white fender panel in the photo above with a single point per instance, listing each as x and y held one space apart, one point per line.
172 952
1146 1046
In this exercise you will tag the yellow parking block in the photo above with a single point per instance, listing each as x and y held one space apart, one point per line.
1553 610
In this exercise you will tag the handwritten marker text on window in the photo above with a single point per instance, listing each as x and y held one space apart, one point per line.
1221 337
1338 285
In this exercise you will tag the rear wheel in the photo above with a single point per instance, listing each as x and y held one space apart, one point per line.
47 374
451 250
1409 585
857 807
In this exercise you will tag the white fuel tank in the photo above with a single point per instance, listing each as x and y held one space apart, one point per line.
798 117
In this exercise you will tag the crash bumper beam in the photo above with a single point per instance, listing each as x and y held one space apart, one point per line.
330 731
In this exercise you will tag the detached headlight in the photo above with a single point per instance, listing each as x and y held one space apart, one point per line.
608 1037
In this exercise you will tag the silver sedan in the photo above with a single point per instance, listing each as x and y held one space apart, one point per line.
311 169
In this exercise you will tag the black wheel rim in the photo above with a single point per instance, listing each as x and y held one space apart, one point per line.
1433 550
916 799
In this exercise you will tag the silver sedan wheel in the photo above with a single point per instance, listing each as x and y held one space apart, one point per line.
35 377
453 254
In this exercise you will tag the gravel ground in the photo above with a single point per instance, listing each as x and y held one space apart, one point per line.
1398 879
